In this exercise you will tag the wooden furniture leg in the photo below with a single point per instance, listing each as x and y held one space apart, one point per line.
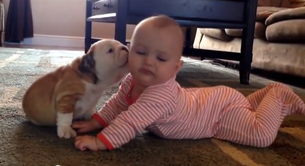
88 27
247 45
121 22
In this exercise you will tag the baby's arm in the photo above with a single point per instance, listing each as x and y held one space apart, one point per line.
114 105
153 104
130 122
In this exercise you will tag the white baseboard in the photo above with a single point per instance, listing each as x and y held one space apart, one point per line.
53 40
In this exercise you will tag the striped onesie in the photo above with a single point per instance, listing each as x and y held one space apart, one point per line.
172 112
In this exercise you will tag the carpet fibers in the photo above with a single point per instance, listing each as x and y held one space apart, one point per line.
23 144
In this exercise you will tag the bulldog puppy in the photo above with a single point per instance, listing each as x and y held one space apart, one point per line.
72 91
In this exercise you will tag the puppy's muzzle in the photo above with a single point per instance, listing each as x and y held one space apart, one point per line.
124 50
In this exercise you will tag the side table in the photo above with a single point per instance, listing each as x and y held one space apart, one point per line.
235 14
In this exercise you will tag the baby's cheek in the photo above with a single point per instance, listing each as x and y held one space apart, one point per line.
168 74
130 63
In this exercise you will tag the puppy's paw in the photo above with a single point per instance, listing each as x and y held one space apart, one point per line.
64 131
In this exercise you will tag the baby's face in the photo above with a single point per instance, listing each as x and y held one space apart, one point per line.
154 56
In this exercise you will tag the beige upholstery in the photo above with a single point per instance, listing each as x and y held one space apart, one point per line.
279 37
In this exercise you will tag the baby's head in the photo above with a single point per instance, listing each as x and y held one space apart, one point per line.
155 50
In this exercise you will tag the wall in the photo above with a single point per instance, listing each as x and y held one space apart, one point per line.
62 22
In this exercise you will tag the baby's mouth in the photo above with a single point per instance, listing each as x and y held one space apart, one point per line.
146 71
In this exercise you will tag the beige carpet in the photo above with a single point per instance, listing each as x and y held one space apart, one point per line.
23 144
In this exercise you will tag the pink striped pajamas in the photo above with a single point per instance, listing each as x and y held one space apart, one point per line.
220 112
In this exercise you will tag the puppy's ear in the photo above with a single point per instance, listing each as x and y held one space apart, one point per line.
87 63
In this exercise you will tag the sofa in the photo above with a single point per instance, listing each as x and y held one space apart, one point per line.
279 37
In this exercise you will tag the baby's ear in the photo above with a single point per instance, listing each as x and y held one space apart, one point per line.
179 65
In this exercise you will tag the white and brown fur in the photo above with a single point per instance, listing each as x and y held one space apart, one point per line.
72 91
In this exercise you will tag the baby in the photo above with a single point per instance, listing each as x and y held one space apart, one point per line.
149 98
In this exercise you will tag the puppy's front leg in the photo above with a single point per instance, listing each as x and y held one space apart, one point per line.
65 109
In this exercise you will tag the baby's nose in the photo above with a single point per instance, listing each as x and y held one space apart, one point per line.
148 60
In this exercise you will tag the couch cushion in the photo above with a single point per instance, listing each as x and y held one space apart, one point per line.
263 12
280 57
234 32
216 33
295 13
259 31
275 3
286 31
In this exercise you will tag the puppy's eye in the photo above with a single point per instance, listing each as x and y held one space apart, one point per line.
110 50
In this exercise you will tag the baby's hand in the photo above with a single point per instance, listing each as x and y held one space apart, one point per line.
86 126
88 143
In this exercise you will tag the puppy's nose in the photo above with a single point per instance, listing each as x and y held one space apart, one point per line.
123 48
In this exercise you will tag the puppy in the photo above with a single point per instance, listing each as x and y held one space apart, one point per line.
72 91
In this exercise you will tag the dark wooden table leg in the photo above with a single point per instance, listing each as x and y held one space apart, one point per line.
88 26
247 44
187 42
121 21
246 58
1 39
245 70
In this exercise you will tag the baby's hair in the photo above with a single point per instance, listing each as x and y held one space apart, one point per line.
163 21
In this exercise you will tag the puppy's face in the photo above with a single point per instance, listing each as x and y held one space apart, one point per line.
107 59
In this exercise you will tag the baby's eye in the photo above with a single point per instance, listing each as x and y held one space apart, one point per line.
140 53
110 50
161 59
